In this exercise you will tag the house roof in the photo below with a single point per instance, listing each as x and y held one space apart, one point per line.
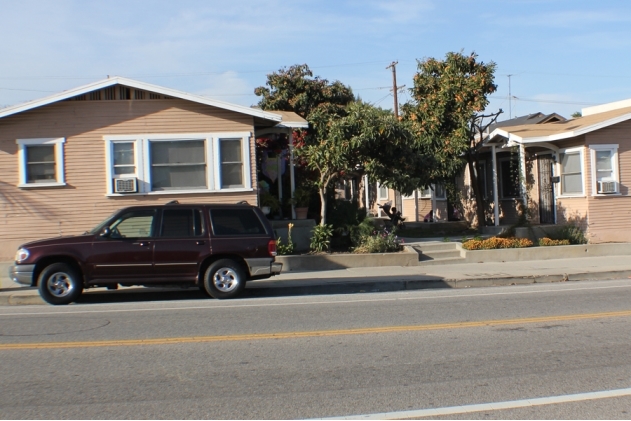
534 118
531 133
285 118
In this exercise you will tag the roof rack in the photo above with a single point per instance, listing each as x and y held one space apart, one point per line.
242 202
173 202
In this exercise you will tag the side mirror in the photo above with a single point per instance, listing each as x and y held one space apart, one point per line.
106 232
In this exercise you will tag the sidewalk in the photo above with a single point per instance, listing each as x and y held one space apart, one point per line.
391 278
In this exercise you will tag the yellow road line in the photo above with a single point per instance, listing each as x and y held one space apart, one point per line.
313 333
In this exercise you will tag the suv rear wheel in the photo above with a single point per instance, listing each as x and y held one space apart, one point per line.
224 278
59 283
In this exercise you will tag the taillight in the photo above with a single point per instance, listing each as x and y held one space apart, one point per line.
271 247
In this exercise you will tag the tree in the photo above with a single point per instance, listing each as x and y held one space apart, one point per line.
577 114
344 135
448 98
366 140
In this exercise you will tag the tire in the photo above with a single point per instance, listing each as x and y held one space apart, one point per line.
224 279
59 284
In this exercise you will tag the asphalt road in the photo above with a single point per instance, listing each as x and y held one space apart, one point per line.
324 356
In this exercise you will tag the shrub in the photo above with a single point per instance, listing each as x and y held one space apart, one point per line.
496 243
545 241
367 238
321 239
569 232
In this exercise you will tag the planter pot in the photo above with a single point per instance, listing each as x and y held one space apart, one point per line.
266 209
301 213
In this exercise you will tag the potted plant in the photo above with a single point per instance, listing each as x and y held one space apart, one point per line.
268 203
301 202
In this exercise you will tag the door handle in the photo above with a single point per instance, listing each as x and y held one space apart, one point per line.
200 242
142 243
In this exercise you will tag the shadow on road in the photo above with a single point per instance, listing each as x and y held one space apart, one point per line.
269 289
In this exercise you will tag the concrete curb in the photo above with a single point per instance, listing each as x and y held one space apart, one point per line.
351 287
318 262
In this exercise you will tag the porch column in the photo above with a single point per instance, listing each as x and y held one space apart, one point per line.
416 205
433 202
496 202
366 201
522 175
292 175
280 178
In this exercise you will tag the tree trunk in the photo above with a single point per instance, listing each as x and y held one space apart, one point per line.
479 199
322 205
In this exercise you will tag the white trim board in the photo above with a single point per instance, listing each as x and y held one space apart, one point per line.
118 80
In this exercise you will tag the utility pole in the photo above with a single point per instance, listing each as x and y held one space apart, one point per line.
395 88
398 200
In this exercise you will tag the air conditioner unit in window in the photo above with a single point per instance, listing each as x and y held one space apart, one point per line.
125 185
605 187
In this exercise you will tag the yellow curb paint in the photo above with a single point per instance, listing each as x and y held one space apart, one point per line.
311 334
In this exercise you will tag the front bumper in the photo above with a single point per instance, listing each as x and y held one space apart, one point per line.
22 274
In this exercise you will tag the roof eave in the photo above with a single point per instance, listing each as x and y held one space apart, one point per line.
138 85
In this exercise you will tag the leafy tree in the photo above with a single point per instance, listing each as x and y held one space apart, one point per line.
448 98
577 114
344 135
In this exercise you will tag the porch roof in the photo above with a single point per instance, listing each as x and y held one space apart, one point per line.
548 132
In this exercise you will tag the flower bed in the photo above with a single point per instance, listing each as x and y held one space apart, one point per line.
496 243
545 241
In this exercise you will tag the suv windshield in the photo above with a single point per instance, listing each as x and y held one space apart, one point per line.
101 225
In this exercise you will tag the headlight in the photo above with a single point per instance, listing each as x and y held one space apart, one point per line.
22 255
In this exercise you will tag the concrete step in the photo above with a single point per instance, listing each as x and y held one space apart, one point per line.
441 254
431 247
443 261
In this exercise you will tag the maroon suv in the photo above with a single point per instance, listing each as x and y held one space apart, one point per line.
216 247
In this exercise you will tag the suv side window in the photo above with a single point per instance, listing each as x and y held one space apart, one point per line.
236 222
181 223
134 224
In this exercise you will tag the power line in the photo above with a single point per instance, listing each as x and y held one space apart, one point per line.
546 101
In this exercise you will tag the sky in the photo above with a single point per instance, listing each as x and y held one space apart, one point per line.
558 55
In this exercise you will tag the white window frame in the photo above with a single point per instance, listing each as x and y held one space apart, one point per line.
613 148
432 193
379 196
58 143
581 151
444 197
142 155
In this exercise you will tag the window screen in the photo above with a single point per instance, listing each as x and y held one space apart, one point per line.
178 165
40 164
236 222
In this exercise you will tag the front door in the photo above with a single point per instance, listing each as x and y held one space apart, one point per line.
127 252
546 189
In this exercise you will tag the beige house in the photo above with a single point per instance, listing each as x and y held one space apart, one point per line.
69 160
576 171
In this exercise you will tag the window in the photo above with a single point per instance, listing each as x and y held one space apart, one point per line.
135 224
231 163
41 162
605 178
382 192
509 178
124 158
572 172
181 223
180 163
438 189
236 222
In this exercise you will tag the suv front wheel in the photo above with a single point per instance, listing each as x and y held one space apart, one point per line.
59 283
224 278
